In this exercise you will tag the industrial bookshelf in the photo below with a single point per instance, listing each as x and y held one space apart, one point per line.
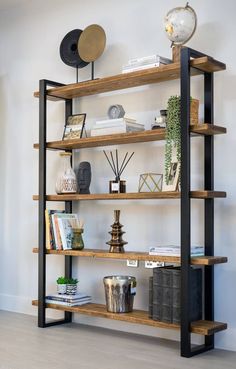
192 63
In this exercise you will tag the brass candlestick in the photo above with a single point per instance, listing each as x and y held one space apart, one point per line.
116 243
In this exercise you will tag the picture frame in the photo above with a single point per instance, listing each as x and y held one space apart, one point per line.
173 177
74 127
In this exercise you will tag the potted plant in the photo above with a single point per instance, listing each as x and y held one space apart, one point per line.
173 130
71 286
61 285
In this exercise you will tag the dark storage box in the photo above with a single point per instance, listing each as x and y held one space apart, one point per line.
166 294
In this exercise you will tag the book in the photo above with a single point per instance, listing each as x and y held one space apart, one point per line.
116 129
69 298
50 240
48 231
175 250
116 120
79 297
149 59
166 294
69 304
66 222
119 124
142 67
56 232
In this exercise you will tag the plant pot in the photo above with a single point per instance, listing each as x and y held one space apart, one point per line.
61 289
71 289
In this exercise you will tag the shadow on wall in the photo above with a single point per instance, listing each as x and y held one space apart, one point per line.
3 124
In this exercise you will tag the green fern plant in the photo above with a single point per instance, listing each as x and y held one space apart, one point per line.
173 133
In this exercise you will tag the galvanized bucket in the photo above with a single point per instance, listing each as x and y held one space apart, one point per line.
119 291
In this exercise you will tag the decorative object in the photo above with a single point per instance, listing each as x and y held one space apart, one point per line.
77 239
69 50
61 285
117 186
173 129
116 111
84 175
119 293
150 182
66 180
171 181
91 44
180 24
116 243
71 286
74 127
78 48
160 122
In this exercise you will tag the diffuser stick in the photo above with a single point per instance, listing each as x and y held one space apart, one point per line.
116 174
122 164
127 163
113 170
117 165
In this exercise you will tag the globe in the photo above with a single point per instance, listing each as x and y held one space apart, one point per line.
180 24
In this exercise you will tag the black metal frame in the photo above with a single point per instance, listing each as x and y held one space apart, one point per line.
43 85
186 348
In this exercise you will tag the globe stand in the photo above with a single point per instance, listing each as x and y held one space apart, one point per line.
176 51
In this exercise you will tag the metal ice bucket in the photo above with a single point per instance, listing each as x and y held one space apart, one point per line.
119 292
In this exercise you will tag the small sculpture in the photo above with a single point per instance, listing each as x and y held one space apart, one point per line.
84 177
116 243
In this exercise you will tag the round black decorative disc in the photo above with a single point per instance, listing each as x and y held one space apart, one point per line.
69 50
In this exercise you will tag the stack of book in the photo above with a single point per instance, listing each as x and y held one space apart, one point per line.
69 300
175 250
59 229
145 63
164 294
112 126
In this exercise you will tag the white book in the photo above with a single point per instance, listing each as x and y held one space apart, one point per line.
114 130
149 59
175 250
136 69
118 124
69 297
116 120
69 304
66 222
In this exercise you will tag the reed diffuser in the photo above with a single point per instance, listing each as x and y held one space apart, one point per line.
117 185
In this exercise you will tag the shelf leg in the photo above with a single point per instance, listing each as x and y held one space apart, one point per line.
209 203
68 209
185 204
42 202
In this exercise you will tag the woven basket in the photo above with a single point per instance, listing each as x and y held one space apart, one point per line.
194 108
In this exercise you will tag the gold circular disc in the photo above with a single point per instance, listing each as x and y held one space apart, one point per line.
92 43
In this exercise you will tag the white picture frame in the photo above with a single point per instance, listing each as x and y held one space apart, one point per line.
173 177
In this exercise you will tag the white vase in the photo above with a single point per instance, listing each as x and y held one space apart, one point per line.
61 289
66 179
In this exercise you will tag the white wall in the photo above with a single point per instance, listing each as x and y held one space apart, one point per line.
30 37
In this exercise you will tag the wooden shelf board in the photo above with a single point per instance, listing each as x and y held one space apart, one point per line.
142 256
127 138
134 196
133 79
202 327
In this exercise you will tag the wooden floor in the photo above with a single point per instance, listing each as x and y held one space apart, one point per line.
73 346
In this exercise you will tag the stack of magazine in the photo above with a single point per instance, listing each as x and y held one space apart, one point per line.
145 62
59 229
175 250
69 300
119 125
